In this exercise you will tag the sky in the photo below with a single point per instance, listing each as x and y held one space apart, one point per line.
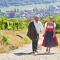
30 7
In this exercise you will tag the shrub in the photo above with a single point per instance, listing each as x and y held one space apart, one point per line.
6 40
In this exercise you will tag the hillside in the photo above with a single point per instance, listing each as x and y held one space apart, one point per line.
15 39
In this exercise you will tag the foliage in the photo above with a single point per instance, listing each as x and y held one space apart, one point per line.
14 23
20 23
5 40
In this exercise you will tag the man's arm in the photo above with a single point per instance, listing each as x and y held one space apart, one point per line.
29 31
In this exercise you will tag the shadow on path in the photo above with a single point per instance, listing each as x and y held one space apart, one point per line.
46 54
19 54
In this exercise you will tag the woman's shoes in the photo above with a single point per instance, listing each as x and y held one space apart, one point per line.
48 51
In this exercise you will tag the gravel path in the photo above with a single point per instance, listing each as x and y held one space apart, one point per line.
25 54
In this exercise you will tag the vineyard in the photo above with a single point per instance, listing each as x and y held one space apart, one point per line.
12 24
17 24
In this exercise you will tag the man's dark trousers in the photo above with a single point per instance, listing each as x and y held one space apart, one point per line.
35 44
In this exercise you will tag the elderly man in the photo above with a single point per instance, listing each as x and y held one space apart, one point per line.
34 28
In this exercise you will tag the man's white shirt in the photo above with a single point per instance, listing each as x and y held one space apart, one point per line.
40 30
38 26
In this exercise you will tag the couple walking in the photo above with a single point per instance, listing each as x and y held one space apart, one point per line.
34 29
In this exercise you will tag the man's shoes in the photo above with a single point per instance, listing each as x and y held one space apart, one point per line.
35 52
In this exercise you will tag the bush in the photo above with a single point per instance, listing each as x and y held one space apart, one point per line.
5 40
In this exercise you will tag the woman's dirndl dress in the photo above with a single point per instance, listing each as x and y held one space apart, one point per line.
49 40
